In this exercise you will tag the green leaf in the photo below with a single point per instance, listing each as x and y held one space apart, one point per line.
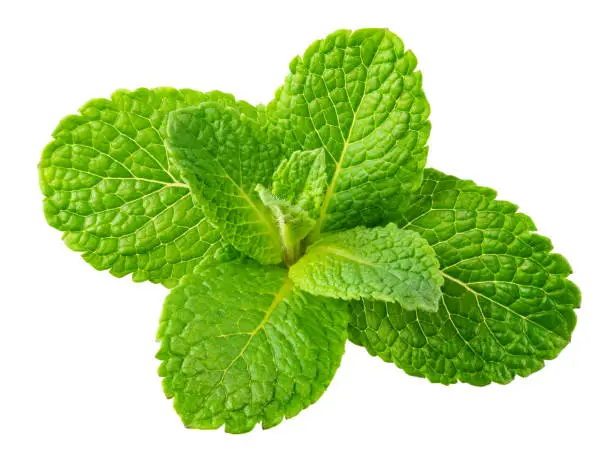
357 96
381 263
302 180
293 223
240 345
507 305
223 155
108 184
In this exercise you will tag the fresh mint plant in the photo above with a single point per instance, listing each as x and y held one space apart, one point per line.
284 230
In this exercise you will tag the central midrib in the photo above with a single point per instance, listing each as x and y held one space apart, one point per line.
282 293
506 307
345 254
269 223
332 186
285 290
334 180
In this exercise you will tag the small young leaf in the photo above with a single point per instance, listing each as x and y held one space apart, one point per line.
293 223
302 180
357 96
507 305
240 345
223 156
381 263
108 184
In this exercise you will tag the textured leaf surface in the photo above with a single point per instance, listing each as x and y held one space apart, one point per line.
109 185
223 156
381 263
302 180
357 96
240 346
507 305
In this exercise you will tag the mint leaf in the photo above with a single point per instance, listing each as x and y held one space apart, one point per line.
507 305
302 180
381 263
223 156
293 223
357 96
240 345
108 184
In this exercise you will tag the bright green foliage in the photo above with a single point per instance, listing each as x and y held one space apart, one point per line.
223 155
381 263
293 223
302 180
240 345
209 195
109 185
357 96
507 305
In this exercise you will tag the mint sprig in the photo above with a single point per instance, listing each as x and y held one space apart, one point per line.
285 229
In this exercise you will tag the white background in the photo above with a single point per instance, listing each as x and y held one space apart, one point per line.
521 101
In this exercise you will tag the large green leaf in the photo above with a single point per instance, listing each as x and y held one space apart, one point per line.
380 263
357 96
109 185
240 345
506 307
223 156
